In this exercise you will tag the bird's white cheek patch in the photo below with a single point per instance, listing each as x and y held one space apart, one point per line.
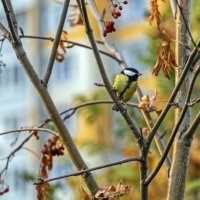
129 73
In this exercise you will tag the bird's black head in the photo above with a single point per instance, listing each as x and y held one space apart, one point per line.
131 73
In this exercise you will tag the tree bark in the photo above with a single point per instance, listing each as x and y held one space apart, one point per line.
182 145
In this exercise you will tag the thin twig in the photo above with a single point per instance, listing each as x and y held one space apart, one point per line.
106 42
186 24
56 43
191 130
175 129
73 44
5 31
193 102
82 172
158 139
13 153
72 110
30 130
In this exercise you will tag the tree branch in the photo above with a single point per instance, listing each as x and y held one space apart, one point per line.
12 154
56 43
5 31
72 43
29 129
175 129
12 22
82 172
186 24
190 132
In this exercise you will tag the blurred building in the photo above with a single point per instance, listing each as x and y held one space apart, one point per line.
19 103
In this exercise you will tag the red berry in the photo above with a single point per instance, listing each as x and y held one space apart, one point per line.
125 2
44 150
118 14
120 7
115 15
115 5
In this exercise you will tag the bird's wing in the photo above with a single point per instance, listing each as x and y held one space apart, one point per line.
120 84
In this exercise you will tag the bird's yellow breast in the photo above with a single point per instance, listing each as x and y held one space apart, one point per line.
120 86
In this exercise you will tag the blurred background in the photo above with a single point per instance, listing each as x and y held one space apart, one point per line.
101 135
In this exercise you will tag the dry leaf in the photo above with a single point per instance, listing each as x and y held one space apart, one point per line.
85 195
75 17
61 51
112 193
165 60
155 13
49 150
149 103
42 191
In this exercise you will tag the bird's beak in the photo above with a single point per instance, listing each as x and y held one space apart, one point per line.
139 74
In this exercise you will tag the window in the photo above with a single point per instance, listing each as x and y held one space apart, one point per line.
63 71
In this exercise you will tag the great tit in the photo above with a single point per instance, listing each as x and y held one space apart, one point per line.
125 84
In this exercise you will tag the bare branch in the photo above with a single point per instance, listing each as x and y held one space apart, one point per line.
12 22
84 172
30 130
175 129
194 102
8 158
4 30
56 42
72 44
186 24
190 132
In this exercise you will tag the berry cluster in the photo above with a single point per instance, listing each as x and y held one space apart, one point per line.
50 147
115 9
108 28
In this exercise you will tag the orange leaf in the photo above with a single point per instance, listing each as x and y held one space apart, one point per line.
165 60
61 51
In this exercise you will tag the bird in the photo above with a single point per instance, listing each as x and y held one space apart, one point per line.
125 84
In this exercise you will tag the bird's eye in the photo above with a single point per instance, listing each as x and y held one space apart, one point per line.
129 73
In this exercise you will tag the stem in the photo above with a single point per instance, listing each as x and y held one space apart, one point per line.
56 42
134 159
70 42
190 132
11 19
